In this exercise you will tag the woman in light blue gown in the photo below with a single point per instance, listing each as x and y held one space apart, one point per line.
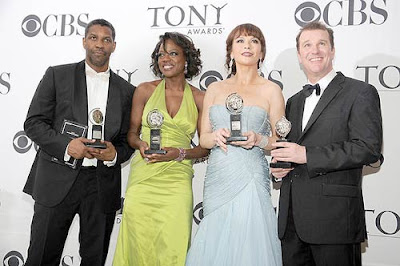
239 224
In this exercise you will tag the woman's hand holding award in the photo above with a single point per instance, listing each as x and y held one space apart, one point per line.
234 105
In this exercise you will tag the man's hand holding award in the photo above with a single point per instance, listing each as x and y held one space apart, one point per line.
282 128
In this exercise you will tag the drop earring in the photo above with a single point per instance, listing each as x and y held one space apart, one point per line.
185 71
233 67
259 68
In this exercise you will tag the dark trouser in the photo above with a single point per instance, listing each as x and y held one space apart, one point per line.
50 226
296 252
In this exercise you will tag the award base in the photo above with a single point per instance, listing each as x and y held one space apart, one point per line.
284 165
155 152
236 138
155 142
97 145
281 164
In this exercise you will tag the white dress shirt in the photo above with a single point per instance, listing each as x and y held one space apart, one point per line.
97 94
312 100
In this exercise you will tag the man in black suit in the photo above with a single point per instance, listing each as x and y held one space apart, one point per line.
336 130
68 176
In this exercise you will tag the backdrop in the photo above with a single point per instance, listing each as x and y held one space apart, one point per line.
37 34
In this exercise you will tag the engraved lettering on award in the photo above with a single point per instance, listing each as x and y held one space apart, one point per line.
234 105
155 119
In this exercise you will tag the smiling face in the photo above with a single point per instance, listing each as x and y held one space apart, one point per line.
99 45
171 59
246 50
315 53
247 31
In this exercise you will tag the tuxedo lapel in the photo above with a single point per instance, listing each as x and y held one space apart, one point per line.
299 115
329 94
113 110
295 116
80 103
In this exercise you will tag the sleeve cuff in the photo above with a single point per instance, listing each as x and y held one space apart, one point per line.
111 163
67 157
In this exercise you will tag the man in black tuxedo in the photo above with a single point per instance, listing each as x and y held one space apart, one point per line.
88 94
336 130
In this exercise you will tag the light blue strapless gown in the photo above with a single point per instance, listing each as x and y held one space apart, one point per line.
239 225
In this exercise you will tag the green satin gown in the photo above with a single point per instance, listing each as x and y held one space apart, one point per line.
157 214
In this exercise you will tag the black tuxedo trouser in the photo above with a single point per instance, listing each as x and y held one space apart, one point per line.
296 252
50 226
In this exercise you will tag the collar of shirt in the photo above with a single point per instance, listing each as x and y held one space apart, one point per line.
97 88
323 83
313 99
90 72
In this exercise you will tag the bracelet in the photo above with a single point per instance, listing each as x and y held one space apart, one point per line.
263 142
182 155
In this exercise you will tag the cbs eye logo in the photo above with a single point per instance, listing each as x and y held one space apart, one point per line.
31 25
198 213
209 77
22 144
13 258
307 12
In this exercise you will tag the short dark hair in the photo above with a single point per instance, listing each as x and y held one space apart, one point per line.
192 55
315 25
101 22
249 30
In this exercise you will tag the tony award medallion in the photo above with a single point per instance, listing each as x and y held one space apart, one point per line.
234 105
155 119
282 128
97 119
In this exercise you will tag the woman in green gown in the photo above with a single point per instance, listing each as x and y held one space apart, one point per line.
157 215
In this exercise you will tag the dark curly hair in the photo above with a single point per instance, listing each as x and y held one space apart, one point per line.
192 55
245 29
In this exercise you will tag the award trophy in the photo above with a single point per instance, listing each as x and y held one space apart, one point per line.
282 128
155 120
234 105
97 119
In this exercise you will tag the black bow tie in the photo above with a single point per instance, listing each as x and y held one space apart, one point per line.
308 89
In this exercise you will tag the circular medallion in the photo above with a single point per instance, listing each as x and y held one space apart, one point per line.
96 116
234 103
155 118
283 127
